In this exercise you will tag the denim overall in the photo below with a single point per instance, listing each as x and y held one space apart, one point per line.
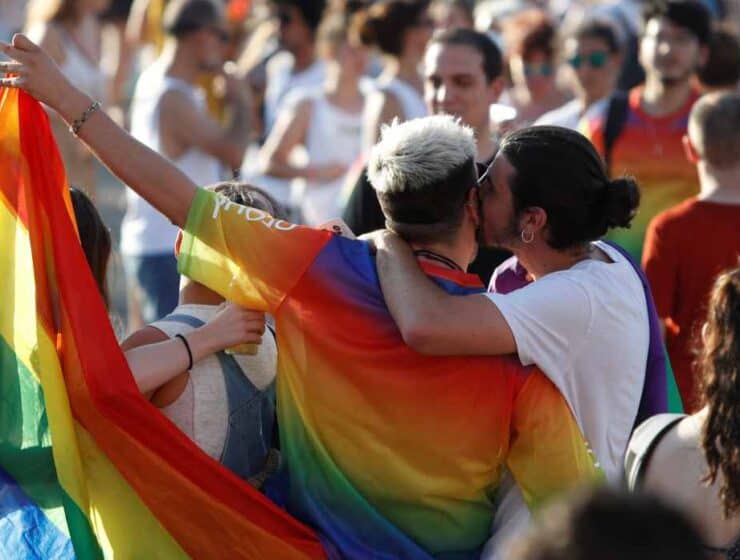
251 414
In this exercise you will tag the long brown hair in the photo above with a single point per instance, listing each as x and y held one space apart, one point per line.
720 364
94 238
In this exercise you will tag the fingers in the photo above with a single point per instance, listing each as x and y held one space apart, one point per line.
15 53
23 43
10 67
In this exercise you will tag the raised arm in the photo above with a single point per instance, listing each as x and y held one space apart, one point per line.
430 320
146 172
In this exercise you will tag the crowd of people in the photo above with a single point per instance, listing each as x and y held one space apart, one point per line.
547 199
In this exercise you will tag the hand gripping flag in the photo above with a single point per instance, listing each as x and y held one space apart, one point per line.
88 467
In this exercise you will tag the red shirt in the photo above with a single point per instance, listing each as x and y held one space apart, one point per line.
685 248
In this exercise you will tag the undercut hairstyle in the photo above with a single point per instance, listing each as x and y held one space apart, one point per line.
249 195
559 170
714 128
608 524
598 29
720 366
182 17
95 239
422 171
722 68
384 24
689 14
480 42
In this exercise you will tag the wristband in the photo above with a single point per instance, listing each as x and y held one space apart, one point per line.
187 347
75 127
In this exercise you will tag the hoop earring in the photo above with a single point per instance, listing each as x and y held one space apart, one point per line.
527 239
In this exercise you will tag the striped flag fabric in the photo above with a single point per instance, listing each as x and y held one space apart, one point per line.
88 467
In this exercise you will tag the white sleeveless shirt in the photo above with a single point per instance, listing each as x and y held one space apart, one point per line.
412 103
80 70
334 137
144 231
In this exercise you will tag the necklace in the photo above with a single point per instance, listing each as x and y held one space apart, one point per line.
432 256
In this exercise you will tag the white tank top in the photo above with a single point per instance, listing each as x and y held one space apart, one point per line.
412 103
144 231
202 409
80 70
334 136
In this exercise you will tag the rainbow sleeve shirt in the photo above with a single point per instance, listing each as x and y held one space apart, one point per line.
650 150
389 454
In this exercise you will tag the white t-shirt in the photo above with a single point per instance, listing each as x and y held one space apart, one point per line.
587 329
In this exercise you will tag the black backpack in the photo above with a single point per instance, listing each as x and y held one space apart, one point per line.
616 117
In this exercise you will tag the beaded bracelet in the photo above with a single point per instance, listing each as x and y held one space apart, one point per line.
77 125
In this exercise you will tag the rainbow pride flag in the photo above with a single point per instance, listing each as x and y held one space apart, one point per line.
88 467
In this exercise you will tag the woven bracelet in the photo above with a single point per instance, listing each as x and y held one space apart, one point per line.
77 124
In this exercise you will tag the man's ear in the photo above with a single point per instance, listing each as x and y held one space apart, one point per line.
690 150
495 89
472 206
533 219
178 243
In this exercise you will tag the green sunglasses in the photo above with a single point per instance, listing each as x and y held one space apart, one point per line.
594 60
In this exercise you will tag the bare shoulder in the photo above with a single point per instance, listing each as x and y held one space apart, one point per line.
143 337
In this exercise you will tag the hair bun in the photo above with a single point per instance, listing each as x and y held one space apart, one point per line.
621 201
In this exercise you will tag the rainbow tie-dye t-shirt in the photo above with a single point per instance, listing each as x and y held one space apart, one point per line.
389 454
649 149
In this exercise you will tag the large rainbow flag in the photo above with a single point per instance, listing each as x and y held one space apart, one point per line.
88 467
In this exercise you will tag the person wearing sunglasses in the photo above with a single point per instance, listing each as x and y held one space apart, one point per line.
592 52
531 40
169 114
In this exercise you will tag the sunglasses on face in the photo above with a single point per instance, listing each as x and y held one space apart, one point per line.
594 60
544 69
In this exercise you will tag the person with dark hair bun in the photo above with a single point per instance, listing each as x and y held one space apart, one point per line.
400 30
693 461
584 319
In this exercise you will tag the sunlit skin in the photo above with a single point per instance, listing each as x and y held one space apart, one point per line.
669 52
456 84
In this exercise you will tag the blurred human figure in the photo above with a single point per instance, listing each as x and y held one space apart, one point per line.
326 122
722 67
452 14
593 54
692 462
531 43
640 134
687 245
225 402
296 66
607 524
169 115
70 30
400 30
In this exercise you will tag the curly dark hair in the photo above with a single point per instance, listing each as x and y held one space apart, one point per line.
720 364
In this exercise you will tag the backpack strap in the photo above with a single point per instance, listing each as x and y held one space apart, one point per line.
643 443
616 117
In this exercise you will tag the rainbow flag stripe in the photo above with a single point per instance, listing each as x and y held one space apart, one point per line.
88 467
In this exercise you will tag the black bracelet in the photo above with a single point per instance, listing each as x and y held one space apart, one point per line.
187 347
75 127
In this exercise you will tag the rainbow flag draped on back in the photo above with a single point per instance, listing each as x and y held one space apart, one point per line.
88 467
